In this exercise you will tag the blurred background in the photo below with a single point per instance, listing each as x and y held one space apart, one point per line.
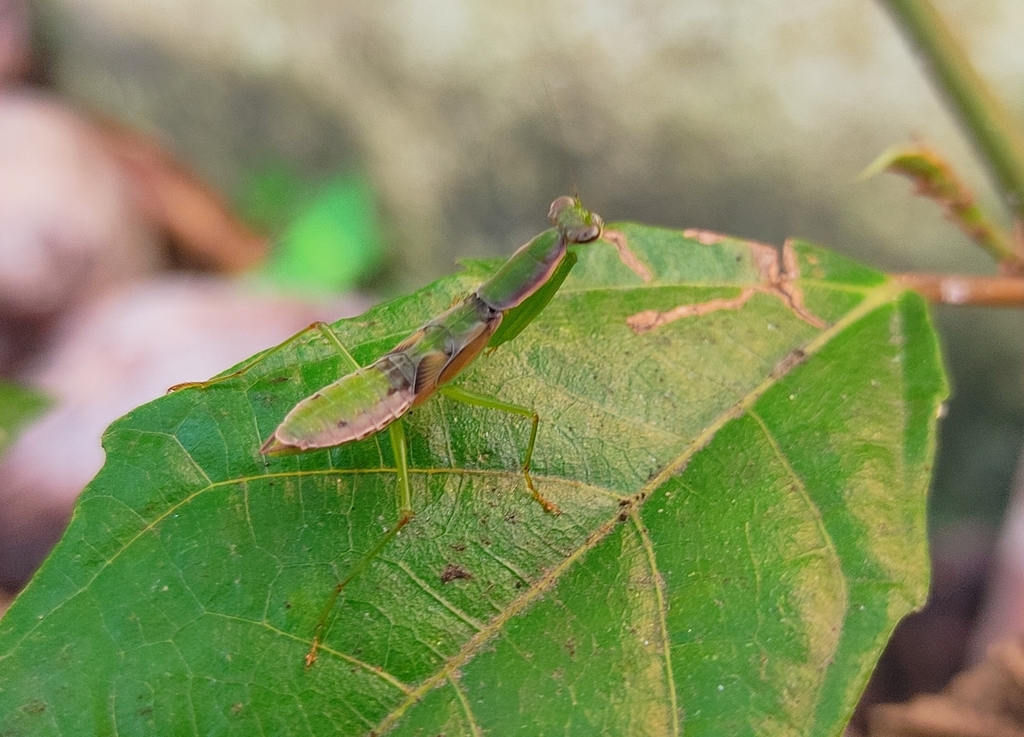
407 134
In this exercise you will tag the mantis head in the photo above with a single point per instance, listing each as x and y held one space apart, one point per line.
574 222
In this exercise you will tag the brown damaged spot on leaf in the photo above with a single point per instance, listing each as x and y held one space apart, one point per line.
787 364
986 701
704 237
618 239
778 271
453 572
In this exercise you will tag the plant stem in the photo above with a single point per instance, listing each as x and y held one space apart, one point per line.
953 289
981 113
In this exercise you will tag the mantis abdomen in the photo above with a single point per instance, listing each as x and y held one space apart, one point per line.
369 399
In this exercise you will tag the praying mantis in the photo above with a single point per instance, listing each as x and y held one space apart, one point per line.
373 398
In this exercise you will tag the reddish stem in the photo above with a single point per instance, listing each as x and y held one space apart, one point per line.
953 289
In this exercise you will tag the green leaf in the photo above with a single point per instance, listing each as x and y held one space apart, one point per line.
743 524
332 243
18 406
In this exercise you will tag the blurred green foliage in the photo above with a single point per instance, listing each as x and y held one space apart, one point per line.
18 405
330 236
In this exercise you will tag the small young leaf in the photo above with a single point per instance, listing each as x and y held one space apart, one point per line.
332 239
18 405
935 179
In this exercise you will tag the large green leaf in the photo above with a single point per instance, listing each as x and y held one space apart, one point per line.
744 523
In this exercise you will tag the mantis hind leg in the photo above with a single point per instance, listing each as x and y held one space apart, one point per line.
481 400
405 514
398 445
324 329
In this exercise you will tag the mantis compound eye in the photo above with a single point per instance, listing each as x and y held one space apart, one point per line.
587 234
